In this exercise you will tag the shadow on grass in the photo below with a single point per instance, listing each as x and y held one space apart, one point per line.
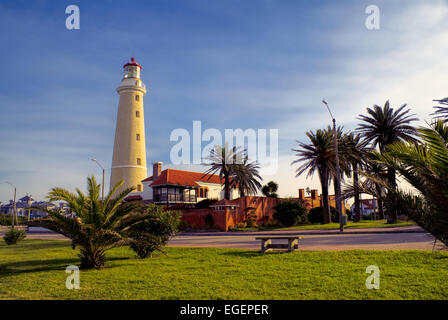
252 253
31 266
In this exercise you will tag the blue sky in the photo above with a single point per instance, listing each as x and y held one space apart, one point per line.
231 64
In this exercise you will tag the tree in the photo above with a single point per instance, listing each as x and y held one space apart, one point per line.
355 151
317 155
97 226
221 161
270 189
384 126
245 177
442 111
425 167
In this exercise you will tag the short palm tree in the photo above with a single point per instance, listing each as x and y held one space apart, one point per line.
384 126
96 226
317 155
246 177
221 161
425 167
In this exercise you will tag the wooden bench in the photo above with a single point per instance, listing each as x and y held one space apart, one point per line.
266 243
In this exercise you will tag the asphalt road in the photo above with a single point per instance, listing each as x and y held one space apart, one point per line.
409 238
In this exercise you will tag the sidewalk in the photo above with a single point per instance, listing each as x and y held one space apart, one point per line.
409 229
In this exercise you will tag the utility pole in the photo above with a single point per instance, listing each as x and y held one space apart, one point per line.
15 207
337 190
102 185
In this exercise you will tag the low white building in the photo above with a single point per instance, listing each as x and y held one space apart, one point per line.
172 186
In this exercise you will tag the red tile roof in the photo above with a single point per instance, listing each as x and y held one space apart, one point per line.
133 197
182 178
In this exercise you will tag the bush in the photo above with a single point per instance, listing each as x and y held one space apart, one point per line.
316 215
183 225
154 232
290 212
13 236
6 219
251 217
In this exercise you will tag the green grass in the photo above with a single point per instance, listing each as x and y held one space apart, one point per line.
35 269
365 224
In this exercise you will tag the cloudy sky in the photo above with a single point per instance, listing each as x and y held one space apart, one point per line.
257 64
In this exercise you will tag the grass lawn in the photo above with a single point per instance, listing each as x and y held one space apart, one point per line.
365 224
35 269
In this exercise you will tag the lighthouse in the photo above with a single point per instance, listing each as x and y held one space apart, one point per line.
129 157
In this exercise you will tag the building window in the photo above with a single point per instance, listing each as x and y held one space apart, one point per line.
139 187
139 161
137 114
201 193
138 136
137 98
206 193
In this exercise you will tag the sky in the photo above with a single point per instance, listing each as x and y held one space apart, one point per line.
261 64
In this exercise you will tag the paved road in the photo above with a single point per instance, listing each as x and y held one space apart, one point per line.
407 238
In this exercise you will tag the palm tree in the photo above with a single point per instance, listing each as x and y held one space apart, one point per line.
97 226
354 150
246 177
317 156
442 111
270 189
221 162
425 167
384 126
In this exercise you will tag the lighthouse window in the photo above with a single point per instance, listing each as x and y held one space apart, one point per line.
138 136
139 187
137 114
137 98
139 161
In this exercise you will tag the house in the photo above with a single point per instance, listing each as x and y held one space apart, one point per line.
23 207
368 206
171 186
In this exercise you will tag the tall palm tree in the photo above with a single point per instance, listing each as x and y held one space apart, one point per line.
354 150
384 126
97 226
442 110
221 161
246 177
317 156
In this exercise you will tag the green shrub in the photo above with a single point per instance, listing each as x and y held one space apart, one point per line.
183 225
13 236
154 232
6 219
315 215
290 212
251 217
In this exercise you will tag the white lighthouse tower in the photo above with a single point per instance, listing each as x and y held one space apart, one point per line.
129 158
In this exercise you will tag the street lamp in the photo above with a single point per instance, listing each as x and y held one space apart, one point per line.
15 207
338 171
102 186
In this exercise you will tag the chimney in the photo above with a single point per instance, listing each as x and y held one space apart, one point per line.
301 194
156 170
314 194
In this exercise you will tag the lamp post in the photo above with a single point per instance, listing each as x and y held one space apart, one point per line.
338 171
102 185
15 207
